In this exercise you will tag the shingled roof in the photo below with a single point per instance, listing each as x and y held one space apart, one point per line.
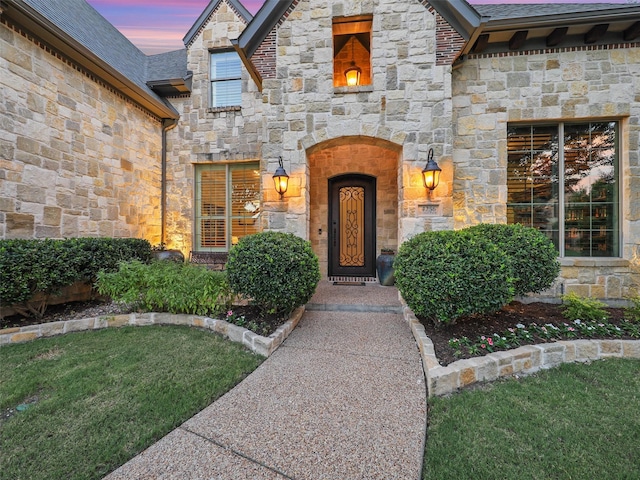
511 11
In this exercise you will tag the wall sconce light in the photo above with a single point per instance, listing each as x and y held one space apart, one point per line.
431 173
281 179
353 72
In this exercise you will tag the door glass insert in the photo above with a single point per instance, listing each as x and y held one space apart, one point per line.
352 226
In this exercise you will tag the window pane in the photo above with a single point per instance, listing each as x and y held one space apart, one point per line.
227 204
245 201
210 208
591 218
226 93
226 86
225 65
532 178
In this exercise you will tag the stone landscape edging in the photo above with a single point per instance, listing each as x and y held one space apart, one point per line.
264 346
522 360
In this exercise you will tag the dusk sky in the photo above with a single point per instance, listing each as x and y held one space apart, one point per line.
157 26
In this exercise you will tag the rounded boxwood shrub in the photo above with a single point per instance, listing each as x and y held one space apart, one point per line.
277 271
534 258
445 275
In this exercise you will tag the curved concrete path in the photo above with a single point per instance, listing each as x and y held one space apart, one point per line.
344 397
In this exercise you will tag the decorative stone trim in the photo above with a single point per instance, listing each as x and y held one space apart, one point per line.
264 346
523 360
544 51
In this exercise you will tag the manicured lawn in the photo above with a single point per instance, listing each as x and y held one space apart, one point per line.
95 399
573 422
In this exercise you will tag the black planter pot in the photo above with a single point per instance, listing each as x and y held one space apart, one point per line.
384 267
168 255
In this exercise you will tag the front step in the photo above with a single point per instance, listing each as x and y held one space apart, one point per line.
335 307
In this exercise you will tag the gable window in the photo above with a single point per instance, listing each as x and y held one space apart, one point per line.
352 51
227 205
563 180
226 85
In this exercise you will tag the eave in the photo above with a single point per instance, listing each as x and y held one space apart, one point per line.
602 27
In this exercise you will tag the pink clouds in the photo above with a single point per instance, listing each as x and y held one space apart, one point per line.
157 26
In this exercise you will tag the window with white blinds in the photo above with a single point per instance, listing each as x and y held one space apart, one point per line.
227 205
226 86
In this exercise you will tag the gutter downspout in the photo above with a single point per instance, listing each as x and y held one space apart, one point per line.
167 124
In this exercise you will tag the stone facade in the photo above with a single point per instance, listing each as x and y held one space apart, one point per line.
207 135
408 105
76 158
489 91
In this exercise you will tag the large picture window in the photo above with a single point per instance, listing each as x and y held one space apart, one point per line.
563 180
227 205
226 85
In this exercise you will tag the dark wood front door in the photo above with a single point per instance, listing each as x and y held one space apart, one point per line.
352 214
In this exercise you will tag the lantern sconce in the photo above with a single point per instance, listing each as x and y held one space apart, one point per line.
352 74
431 173
281 179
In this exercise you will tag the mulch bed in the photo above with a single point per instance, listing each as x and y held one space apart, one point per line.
508 317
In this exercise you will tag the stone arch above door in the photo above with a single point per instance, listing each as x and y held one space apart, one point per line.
357 155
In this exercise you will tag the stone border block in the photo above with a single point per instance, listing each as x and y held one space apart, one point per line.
522 360
264 346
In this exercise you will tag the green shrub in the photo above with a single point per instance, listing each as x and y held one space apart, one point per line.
278 272
632 312
534 258
31 266
583 308
445 275
167 287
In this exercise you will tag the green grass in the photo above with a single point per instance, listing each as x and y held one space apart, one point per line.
98 398
574 422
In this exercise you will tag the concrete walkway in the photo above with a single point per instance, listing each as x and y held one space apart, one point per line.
343 398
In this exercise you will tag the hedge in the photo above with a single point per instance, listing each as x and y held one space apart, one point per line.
31 266
534 258
445 275
277 271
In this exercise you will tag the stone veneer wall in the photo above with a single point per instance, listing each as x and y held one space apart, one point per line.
208 135
408 104
76 158
579 83
328 162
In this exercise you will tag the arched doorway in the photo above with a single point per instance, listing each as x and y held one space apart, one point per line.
353 156
352 218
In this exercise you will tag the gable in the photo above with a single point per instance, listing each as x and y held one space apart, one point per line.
200 24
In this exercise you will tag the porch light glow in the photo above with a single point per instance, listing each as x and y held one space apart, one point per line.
281 179
353 75
431 173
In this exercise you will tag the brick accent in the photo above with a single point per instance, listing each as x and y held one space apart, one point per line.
264 58
449 43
